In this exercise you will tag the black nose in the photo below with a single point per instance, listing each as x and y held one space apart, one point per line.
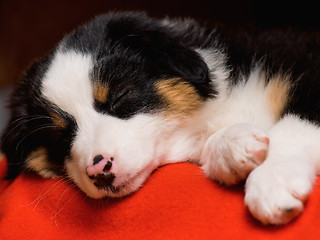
104 180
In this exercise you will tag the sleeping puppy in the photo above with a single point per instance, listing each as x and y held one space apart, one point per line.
125 93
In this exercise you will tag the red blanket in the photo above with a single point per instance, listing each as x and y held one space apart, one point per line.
177 202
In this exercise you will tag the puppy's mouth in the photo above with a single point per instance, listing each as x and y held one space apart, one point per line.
105 179
102 183
108 188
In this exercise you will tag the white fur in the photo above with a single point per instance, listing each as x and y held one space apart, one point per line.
67 82
232 153
245 102
131 144
216 63
274 191
138 145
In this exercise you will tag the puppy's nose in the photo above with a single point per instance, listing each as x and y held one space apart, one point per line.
97 159
100 171
101 165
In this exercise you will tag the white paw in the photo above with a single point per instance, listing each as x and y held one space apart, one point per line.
275 193
231 154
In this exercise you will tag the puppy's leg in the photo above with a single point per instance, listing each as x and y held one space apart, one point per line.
276 190
232 153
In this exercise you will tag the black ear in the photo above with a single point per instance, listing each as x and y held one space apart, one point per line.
20 141
12 144
9 143
190 66
12 141
15 141
164 50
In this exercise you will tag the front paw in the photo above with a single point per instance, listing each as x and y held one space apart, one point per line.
275 195
232 153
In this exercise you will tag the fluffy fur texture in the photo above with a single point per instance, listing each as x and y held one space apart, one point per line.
126 93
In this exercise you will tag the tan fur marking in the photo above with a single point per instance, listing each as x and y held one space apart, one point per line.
278 90
180 97
38 162
58 120
100 92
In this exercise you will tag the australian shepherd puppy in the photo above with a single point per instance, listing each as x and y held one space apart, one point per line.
125 93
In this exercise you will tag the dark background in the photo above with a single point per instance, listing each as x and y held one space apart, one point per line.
29 29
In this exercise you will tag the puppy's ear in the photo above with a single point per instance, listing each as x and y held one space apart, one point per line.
12 141
187 64
16 143
9 141
164 51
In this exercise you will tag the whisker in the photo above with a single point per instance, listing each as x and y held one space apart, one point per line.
66 203
52 187
19 122
41 196
29 116
65 191
32 132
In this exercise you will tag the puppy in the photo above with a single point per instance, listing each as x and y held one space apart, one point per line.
125 93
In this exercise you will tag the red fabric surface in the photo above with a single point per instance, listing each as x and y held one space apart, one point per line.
177 202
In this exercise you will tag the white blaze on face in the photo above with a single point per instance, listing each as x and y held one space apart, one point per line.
132 143
67 83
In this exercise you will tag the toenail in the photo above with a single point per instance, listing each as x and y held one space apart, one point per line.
288 210
262 139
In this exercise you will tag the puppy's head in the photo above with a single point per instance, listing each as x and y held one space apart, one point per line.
99 106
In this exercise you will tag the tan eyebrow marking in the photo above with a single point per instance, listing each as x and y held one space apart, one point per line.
181 98
100 92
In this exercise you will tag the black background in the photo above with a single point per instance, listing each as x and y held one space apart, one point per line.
29 29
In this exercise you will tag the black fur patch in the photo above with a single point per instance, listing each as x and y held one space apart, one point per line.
131 52
32 126
295 53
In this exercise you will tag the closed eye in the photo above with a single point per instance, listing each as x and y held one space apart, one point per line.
119 99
